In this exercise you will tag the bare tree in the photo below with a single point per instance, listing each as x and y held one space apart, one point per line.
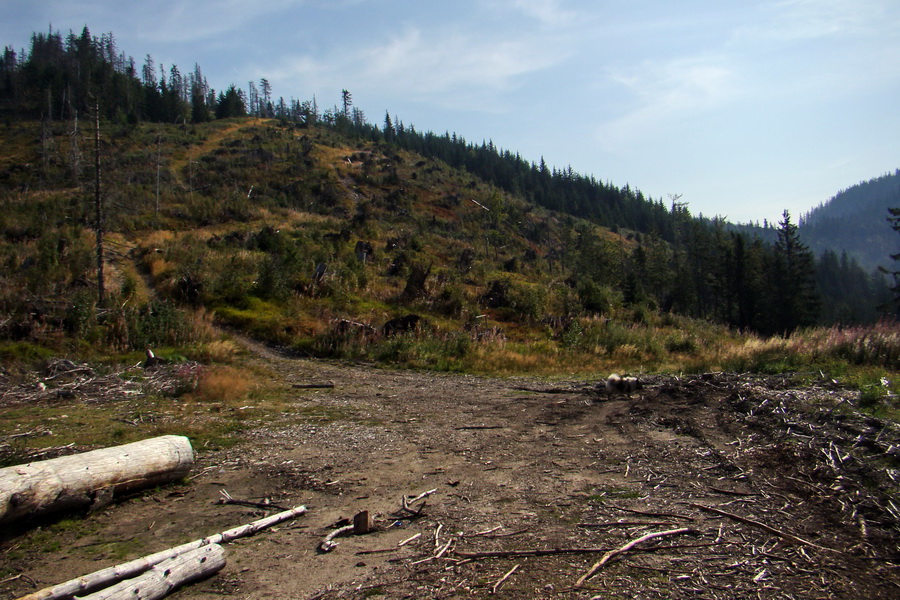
347 102
266 101
98 204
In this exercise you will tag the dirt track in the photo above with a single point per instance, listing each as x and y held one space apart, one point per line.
804 488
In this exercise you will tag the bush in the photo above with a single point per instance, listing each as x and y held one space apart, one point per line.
522 301
595 298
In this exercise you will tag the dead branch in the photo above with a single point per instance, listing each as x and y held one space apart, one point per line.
503 579
782 534
105 577
525 553
719 490
486 532
421 496
328 544
409 539
313 386
77 370
228 499
613 553
553 390
443 549
409 513
627 524
653 514
377 551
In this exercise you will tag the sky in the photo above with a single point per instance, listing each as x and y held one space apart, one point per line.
745 108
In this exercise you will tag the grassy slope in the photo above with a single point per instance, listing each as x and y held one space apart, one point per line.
249 208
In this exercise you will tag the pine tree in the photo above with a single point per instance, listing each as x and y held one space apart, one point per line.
795 293
266 100
346 102
894 220
388 128
230 104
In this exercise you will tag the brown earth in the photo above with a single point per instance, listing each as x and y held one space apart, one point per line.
806 489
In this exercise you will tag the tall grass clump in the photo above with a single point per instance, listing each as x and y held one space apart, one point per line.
877 345
154 325
222 384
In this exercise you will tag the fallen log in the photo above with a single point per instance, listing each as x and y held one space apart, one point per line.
104 577
89 478
161 579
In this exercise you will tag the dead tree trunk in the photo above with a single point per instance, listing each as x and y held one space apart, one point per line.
80 480
162 579
110 575
98 205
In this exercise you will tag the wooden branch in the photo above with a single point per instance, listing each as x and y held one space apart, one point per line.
523 553
419 497
405 502
313 386
731 492
161 579
486 531
227 499
328 544
105 577
409 539
782 534
503 579
653 514
627 524
613 553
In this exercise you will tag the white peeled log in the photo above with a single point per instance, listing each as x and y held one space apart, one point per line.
109 575
161 579
80 480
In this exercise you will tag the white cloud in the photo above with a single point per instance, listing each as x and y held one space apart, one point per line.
548 12
177 22
662 94
451 68
804 20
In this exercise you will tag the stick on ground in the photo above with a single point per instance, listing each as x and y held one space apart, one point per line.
612 553
503 579
782 534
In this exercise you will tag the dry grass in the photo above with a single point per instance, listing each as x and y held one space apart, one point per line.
223 383
218 351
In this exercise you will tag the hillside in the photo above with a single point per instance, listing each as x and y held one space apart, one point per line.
349 316
855 221
322 232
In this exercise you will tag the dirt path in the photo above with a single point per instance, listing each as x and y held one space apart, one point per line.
524 465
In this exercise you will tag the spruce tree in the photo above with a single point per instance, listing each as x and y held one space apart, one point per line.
894 220
794 289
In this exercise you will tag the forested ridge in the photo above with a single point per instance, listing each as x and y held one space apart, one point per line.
401 219
855 221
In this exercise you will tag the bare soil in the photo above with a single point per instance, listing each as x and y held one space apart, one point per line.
549 476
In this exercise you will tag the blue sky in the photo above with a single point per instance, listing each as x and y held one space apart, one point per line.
746 107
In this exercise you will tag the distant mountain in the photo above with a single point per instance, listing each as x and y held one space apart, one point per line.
855 221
